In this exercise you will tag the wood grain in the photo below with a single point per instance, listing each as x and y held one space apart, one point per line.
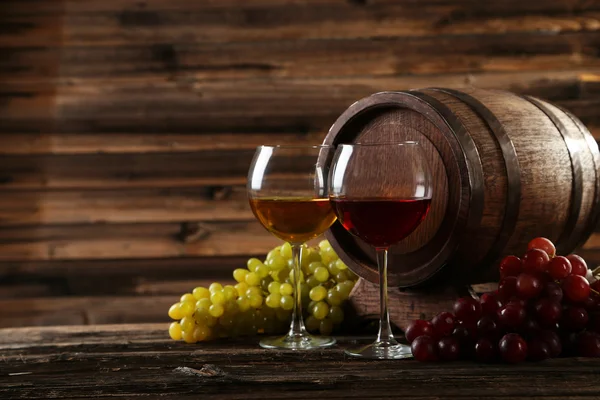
211 203
96 143
128 361
48 242
507 52
129 21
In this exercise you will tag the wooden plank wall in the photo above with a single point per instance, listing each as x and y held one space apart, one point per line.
127 126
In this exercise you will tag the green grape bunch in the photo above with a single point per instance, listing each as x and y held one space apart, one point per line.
263 298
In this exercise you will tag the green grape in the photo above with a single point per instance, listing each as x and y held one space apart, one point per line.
255 300
318 293
326 327
336 314
241 288
230 292
334 298
286 289
243 303
320 310
201 333
351 275
342 276
283 315
311 281
291 263
311 305
186 308
305 292
239 274
265 282
210 321
345 288
189 337
203 305
253 263
231 307
187 323
216 310
175 311
226 321
253 290
274 287
262 271
324 245
286 251
312 324
313 266
332 268
281 275
276 262
291 276
175 331
272 253
188 297
321 274
340 265
218 298
268 312
253 279
273 300
286 302
215 287
201 293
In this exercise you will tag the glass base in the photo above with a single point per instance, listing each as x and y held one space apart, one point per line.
391 350
297 342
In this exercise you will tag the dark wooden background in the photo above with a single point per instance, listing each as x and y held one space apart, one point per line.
127 126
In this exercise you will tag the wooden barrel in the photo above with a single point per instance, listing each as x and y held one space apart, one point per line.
507 168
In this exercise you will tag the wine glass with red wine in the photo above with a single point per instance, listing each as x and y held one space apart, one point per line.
287 189
380 193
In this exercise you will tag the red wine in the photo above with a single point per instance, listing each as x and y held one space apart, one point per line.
381 222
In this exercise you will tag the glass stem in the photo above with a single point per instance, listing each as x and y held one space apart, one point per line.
385 331
297 326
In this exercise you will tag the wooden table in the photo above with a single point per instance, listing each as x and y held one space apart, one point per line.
140 361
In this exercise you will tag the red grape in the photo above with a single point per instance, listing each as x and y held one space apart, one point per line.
467 309
594 324
489 304
448 349
592 302
578 265
511 316
547 312
513 348
576 288
531 327
538 350
588 344
510 266
418 328
529 286
507 288
559 267
535 260
553 342
543 244
443 324
487 327
553 291
485 350
574 318
569 343
423 348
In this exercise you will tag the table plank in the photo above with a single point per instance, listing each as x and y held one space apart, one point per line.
129 361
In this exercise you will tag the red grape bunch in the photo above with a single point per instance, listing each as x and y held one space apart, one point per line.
545 306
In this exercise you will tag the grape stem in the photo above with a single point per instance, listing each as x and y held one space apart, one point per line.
297 329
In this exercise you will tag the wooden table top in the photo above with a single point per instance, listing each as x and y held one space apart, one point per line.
131 361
